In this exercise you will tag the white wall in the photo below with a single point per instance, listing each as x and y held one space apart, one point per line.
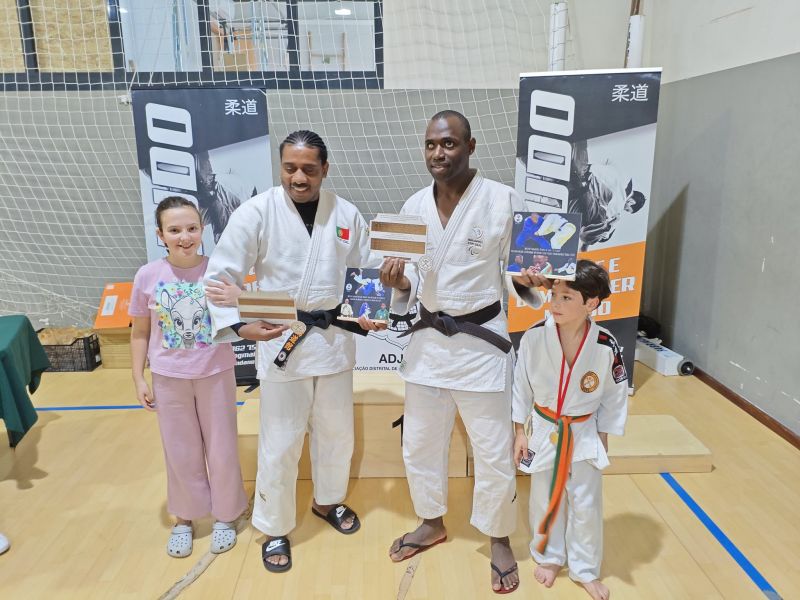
720 272
695 37
486 44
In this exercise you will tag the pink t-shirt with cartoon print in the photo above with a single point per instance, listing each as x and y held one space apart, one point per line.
180 325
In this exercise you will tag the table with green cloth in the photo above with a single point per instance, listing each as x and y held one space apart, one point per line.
22 360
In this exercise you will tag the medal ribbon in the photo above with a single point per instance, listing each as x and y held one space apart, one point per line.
562 392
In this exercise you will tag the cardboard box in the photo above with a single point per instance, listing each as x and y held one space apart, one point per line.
113 324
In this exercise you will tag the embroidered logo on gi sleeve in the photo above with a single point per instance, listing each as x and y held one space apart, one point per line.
589 382
618 371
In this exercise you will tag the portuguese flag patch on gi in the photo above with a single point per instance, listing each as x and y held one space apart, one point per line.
343 233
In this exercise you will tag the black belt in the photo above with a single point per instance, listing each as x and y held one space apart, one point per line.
471 324
316 318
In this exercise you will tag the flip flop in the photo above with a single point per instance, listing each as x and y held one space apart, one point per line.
337 515
504 574
417 547
279 545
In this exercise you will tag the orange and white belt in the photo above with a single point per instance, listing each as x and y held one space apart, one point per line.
564 442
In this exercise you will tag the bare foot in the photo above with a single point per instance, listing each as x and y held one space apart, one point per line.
546 574
326 508
429 532
276 559
597 590
503 561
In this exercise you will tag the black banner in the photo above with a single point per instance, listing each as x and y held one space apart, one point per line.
210 146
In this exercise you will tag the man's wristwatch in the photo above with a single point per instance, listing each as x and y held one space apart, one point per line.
236 327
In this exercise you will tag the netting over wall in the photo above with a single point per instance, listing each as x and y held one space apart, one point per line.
366 75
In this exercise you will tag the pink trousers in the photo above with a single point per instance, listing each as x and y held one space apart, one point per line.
197 418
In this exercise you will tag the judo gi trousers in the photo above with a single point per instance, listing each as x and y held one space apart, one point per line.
427 427
197 419
321 406
576 536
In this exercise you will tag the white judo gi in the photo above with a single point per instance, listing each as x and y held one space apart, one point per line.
314 392
462 372
598 386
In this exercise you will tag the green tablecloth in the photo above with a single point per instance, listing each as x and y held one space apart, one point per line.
22 360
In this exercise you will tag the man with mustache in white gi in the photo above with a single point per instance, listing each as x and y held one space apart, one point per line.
300 239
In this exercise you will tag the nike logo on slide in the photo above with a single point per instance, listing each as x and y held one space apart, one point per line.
340 511
274 544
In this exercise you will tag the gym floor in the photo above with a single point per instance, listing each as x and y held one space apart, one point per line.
83 503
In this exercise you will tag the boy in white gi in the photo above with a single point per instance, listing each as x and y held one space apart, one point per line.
459 355
300 239
570 381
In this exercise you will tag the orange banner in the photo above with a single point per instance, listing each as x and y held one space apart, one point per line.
625 265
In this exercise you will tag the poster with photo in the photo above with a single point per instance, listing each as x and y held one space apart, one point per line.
585 145
364 295
544 242
210 146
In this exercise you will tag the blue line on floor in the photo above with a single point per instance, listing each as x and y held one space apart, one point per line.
723 539
109 407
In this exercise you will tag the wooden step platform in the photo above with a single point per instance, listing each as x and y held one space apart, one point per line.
378 399
651 444
657 444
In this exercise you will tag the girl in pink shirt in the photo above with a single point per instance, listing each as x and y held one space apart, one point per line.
194 387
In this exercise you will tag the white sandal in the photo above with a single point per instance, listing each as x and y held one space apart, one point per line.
223 537
180 541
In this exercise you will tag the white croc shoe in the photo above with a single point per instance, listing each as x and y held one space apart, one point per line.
4 543
180 541
223 537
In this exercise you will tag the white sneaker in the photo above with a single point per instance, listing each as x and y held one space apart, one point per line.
4 543
223 537
180 541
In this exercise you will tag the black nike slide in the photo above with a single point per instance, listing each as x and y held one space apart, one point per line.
338 515
276 546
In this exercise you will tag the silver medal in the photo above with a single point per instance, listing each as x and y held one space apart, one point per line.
425 263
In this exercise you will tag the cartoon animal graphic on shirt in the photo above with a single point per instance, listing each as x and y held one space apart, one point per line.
184 318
